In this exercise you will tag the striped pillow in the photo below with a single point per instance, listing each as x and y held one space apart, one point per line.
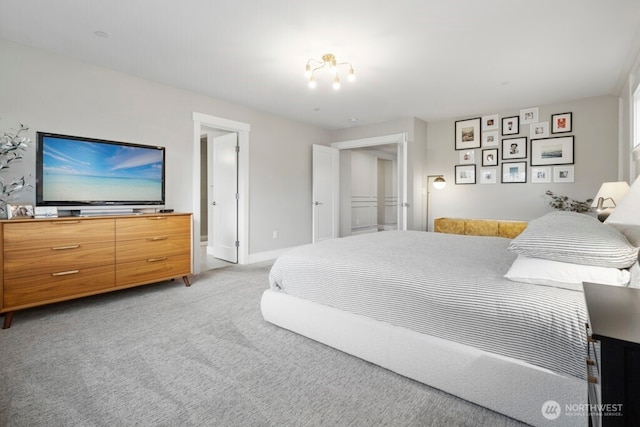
575 238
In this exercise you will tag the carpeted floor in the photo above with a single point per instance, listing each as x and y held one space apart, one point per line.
167 355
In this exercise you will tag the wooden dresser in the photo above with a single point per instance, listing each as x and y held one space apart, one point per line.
57 259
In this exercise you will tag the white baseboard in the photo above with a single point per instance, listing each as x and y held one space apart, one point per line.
267 256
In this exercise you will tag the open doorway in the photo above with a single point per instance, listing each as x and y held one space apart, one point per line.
229 231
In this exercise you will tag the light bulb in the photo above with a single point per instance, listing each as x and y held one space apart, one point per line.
312 82
439 183
336 82
352 76
307 72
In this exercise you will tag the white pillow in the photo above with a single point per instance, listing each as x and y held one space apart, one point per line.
564 275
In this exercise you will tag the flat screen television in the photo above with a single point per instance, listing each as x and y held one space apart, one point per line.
98 176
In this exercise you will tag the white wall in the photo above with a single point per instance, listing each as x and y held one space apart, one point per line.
56 94
595 127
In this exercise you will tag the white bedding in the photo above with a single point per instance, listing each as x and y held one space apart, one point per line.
447 286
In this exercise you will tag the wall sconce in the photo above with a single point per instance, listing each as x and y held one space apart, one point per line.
605 200
438 183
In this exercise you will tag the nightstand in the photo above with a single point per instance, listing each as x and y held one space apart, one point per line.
613 362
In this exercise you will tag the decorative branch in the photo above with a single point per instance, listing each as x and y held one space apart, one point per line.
564 203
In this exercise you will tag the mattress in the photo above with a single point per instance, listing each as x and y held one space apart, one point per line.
447 286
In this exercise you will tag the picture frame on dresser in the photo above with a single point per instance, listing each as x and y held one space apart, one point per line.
19 211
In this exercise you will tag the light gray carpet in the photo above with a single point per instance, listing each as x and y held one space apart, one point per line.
167 355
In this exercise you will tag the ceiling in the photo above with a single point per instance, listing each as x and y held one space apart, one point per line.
431 59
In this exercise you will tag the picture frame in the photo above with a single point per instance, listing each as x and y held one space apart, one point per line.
511 125
465 174
514 148
562 174
514 172
490 122
540 174
490 139
19 211
561 123
529 115
488 176
552 151
490 157
467 157
467 134
539 130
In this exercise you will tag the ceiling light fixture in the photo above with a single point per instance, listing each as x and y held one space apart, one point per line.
328 59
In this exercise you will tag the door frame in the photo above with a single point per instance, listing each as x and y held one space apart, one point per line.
202 122
401 140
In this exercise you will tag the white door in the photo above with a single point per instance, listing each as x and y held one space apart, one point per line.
223 198
326 179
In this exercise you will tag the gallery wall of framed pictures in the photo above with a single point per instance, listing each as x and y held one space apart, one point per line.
517 148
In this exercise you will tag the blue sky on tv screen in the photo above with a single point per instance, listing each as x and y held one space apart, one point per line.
72 157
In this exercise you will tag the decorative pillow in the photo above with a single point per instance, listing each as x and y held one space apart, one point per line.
575 238
564 275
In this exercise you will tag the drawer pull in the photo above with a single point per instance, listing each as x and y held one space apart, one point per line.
592 380
153 239
65 273
155 218
157 259
67 222
61 248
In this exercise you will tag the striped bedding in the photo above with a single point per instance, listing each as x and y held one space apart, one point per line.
444 285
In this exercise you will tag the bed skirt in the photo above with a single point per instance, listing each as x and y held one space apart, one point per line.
505 385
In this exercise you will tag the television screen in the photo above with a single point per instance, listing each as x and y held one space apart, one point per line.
74 171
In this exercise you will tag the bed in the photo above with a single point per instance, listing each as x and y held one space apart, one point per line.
438 308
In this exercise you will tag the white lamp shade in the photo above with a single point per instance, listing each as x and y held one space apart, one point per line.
439 183
612 193
628 210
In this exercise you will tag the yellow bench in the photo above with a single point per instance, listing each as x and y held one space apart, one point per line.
480 227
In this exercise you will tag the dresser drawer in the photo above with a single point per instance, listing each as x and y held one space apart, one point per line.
152 226
59 285
152 247
153 269
36 261
46 234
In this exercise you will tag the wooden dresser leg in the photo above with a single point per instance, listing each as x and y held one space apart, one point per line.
186 281
8 318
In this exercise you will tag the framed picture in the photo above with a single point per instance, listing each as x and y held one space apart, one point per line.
561 123
540 175
552 151
467 157
514 148
490 157
563 174
511 125
529 115
539 130
19 211
465 174
490 139
488 176
490 122
514 172
468 134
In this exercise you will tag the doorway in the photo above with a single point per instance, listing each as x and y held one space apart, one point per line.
219 230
